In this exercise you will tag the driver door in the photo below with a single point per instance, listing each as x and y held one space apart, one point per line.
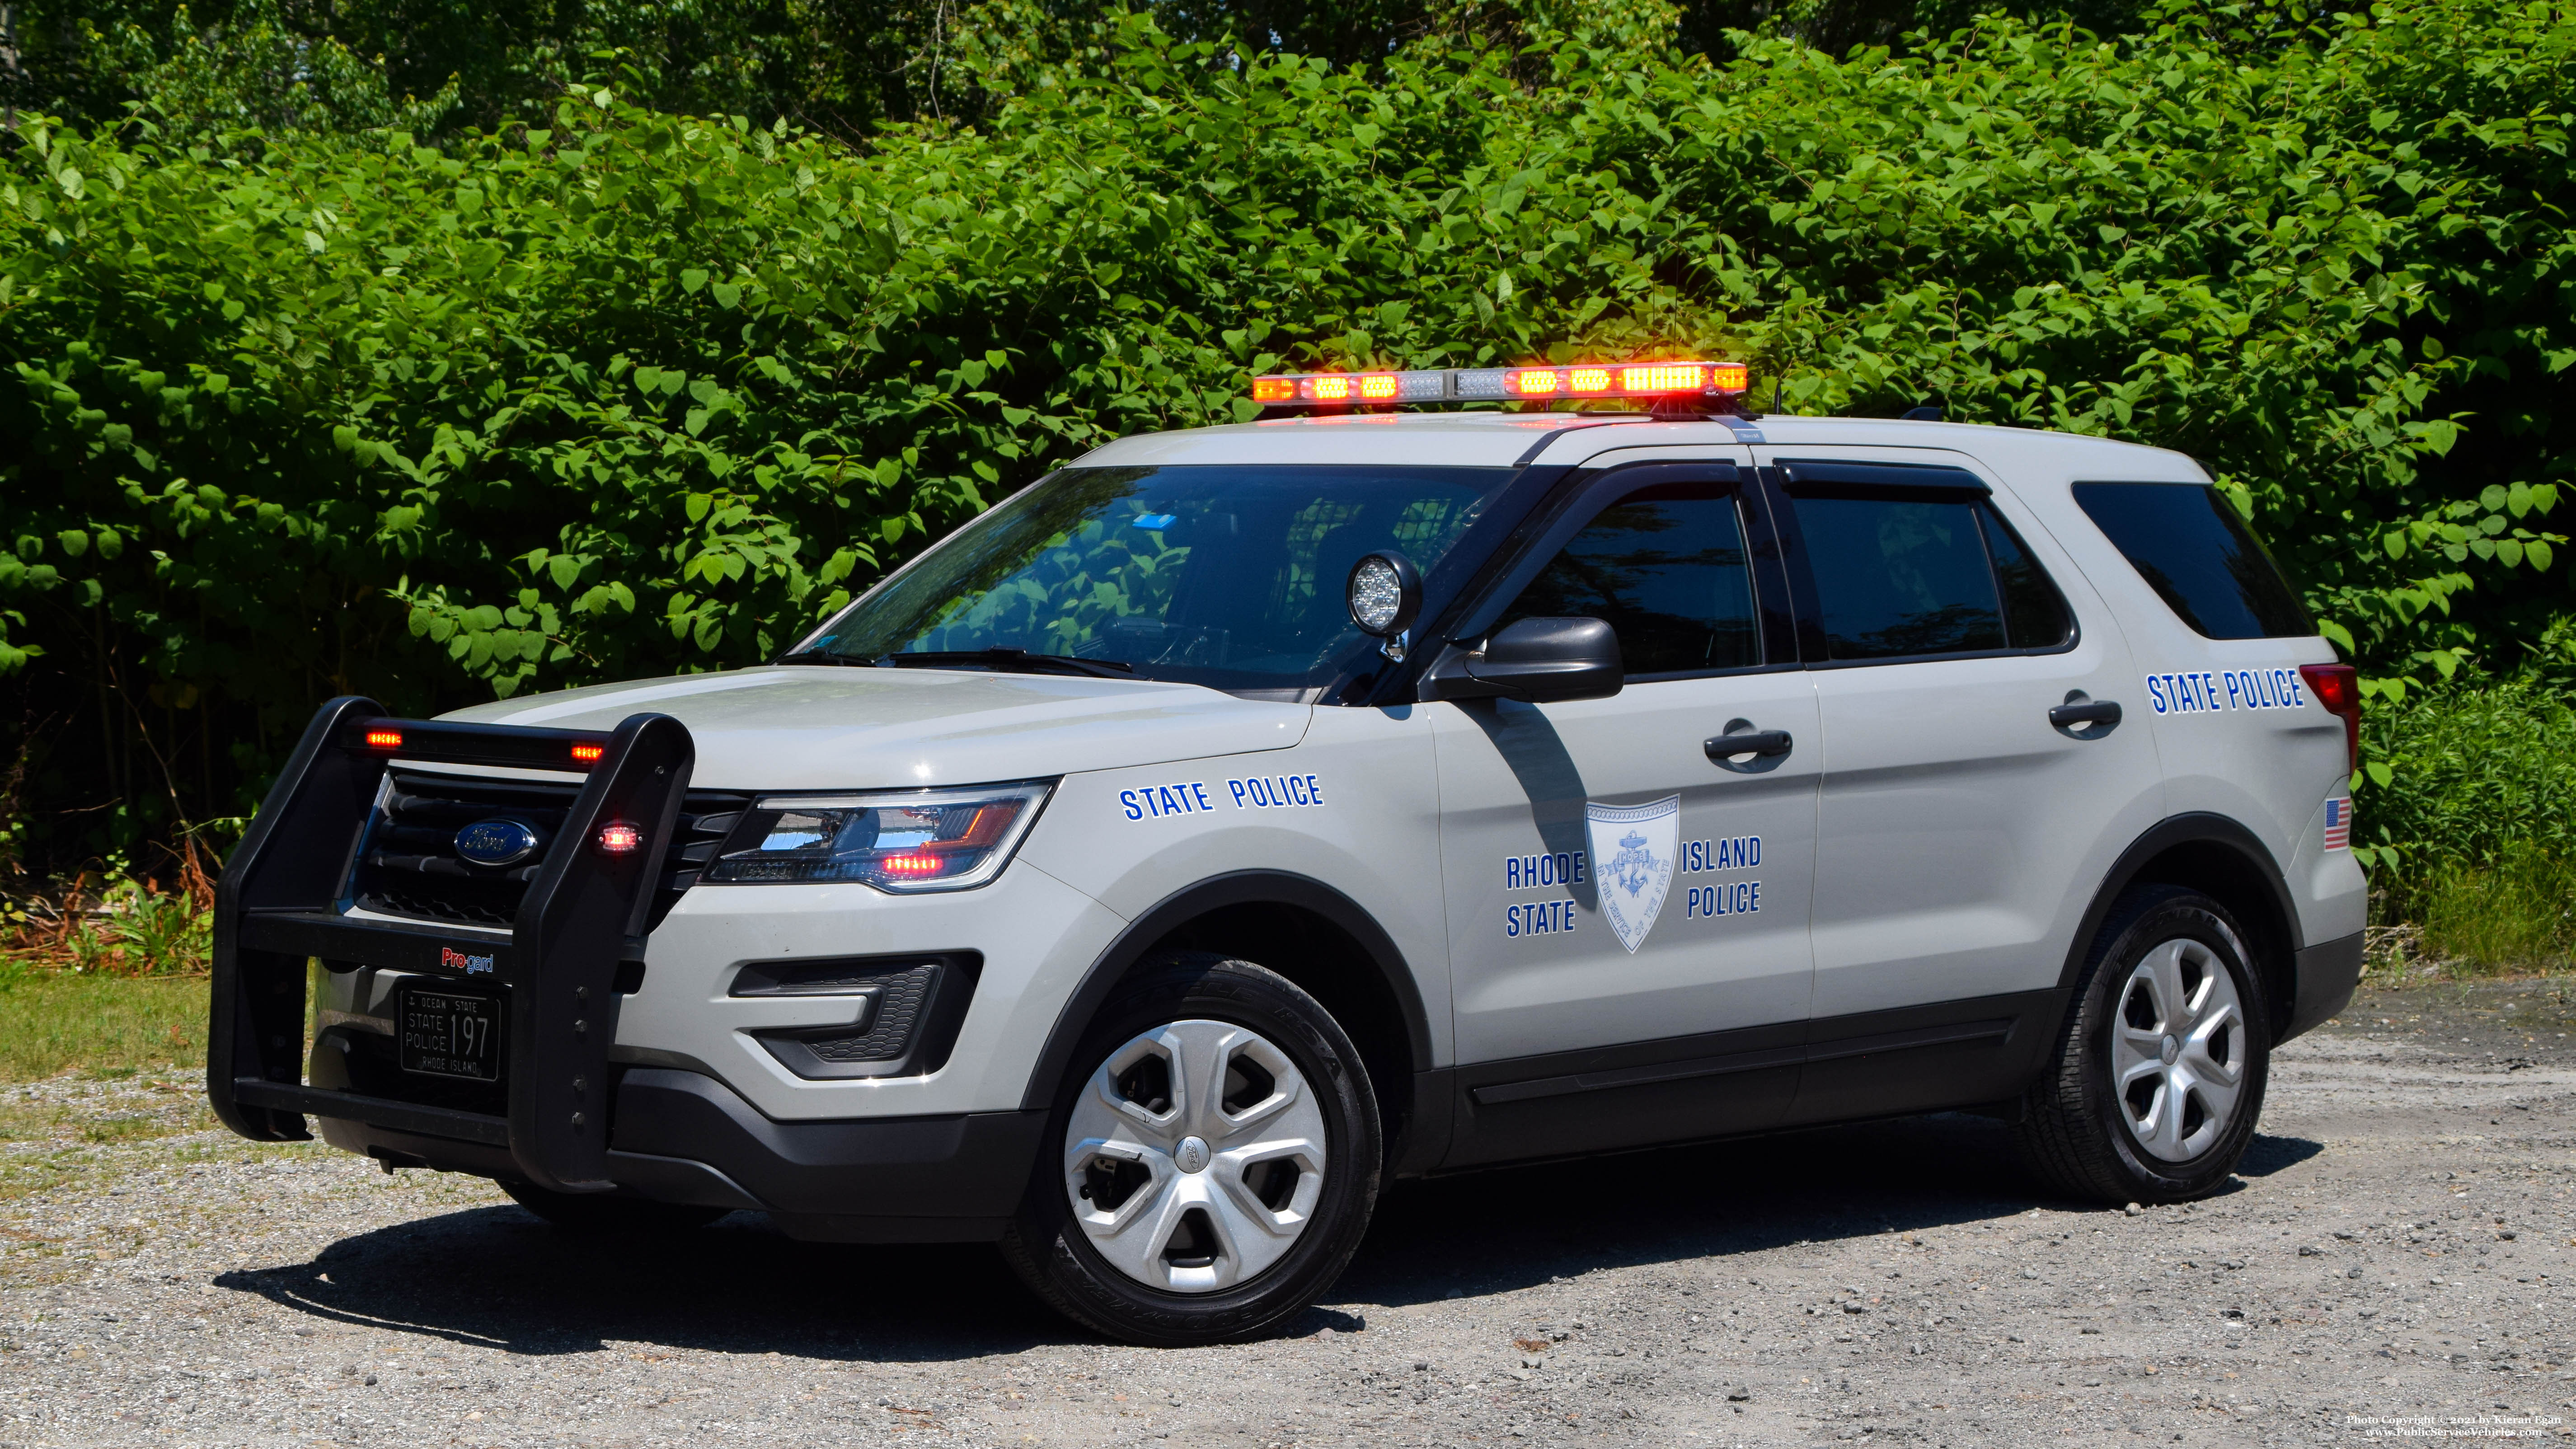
1628 913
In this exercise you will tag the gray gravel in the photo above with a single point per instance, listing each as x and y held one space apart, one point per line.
2394 1262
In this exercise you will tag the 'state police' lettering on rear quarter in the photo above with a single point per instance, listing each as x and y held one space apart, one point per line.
2213 691
1193 797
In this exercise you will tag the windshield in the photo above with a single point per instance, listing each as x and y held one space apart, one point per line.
1231 577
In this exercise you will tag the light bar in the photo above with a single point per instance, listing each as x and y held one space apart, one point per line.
1580 380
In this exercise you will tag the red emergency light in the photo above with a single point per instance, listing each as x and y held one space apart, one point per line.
1657 381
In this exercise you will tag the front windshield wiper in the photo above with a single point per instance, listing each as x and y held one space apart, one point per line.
821 656
1010 659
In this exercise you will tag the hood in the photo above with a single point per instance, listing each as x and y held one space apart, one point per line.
827 727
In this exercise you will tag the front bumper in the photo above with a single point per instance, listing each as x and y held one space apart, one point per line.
684 1137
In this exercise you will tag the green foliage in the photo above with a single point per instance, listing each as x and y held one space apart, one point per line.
842 67
633 393
2518 913
2465 778
448 64
107 1024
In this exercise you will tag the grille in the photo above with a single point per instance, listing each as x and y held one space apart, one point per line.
409 867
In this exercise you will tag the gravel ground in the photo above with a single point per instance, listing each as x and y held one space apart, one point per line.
2393 1263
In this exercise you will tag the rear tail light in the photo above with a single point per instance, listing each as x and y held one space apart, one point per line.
384 739
2338 688
620 837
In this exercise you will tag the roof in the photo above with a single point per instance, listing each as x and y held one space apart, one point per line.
1502 440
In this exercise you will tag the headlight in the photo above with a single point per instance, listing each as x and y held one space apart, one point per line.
895 840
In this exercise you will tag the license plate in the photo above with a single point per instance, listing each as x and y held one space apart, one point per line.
450 1033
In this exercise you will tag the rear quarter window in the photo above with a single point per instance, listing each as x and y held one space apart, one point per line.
2193 548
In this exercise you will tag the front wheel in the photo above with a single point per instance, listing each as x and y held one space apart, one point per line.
2158 1076
1211 1169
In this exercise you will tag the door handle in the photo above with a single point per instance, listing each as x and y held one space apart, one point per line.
1724 748
2079 711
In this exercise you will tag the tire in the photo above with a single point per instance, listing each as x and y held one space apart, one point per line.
2137 1104
1167 1216
606 1216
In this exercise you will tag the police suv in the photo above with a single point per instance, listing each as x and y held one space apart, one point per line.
1239 819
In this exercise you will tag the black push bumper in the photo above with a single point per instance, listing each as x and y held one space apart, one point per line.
574 1122
582 916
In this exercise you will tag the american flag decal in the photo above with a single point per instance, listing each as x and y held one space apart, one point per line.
2339 822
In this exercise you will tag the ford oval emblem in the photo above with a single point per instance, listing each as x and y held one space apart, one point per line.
496 842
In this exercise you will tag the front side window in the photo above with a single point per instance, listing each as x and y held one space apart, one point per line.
1232 577
2193 548
1666 568
1901 577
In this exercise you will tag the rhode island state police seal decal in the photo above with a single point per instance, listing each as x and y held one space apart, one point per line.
1633 848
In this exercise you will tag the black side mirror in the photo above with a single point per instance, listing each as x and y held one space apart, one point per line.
1535 661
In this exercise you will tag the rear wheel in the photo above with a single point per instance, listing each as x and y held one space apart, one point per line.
1211 1168
601 1215
2158 1077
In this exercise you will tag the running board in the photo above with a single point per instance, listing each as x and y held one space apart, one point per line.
1825 1051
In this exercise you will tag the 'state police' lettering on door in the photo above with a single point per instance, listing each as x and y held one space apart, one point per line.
1192 797
2225 689
1569 867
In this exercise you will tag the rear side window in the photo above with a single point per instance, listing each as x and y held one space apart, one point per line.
2193 548
1666 568
1900 577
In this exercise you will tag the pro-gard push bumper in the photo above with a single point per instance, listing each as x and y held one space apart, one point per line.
562 1116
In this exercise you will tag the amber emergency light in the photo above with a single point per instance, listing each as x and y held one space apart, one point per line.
1661 381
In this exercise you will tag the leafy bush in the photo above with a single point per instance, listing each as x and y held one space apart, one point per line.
2466 778
638 393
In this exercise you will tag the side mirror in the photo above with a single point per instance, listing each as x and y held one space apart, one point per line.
1536 661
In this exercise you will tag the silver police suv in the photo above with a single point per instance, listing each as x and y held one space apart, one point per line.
1238 819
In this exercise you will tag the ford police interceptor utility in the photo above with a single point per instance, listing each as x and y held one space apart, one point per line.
1238 819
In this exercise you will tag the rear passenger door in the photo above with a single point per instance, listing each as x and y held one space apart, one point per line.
1959 831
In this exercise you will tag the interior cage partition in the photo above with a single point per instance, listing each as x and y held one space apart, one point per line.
278 907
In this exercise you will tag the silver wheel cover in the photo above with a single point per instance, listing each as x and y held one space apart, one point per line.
1227 1232
2178 1050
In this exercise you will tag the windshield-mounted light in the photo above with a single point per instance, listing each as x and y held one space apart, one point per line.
906 841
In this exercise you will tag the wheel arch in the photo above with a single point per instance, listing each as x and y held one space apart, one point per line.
1337 953
2228 863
